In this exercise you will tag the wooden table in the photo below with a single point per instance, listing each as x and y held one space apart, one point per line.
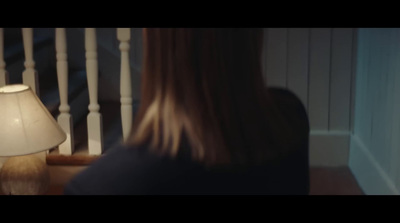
53 190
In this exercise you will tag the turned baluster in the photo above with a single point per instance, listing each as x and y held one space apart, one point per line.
64 119
124 36
29 75
94 118
3 73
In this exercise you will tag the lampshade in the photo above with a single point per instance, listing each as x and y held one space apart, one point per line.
26 126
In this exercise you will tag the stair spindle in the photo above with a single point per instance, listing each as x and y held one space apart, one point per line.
30 75
3 73
94 118
64 119
124 36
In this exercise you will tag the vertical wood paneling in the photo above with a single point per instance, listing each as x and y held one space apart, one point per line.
297 73
362 83
340 89
380 124
374 76
386 96
276 67
359 77
373 92
317 65
353 79
392 116
395 136
318 97
366 115
377 108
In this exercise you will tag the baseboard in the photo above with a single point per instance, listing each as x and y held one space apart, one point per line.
329 148
372 179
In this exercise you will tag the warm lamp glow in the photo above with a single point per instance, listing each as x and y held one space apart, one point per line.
13 88
26 126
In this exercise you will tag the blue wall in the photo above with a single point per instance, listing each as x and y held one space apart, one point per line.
374 148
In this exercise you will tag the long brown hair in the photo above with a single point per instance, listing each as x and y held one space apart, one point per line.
206 84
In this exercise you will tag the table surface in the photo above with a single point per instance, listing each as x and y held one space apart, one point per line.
53 190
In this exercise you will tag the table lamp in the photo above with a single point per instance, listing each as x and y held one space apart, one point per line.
26 127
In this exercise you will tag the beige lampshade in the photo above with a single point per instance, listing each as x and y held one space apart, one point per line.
26 126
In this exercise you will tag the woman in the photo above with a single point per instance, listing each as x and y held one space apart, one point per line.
206 123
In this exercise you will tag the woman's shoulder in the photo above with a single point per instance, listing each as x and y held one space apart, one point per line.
123 170
290 105
285 97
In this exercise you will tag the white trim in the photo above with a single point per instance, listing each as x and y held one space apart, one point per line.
331 133
329 148
369 174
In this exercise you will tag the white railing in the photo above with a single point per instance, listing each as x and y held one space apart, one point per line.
94 118
3 72
124 36
65 119
30 75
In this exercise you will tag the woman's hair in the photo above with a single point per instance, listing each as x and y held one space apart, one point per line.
206 85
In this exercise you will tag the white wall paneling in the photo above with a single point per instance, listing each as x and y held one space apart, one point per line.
317 64
319 73
297 63
276 56
394 172
375 143
340 79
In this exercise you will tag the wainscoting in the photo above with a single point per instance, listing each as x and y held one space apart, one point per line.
318 65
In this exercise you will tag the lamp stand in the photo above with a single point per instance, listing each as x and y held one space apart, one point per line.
24 175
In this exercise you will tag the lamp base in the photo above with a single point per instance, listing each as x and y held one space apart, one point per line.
24 175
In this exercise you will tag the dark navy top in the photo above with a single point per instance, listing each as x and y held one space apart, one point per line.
136 171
